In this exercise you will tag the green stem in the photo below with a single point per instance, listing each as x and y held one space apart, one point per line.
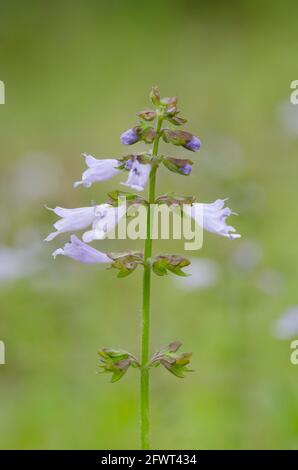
146 302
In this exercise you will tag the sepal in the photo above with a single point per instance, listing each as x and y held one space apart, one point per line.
174 199
147 134
173 361
147 115
126 262
155 96
163 264
169 110
126 161
117 196
177 120
176 137
116 362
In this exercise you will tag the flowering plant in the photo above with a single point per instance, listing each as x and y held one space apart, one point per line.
101 219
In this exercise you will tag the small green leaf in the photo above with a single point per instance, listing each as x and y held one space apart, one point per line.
117 375
163 263
177 271
159 269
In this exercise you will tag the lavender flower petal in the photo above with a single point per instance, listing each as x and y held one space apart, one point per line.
213 218
106 218
72 220
193 144
138 176
98 170
81 252
186 169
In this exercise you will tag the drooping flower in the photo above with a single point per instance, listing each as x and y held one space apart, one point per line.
138 175
72 220
193 144
106 218
79 251
129 137
213 217
98 170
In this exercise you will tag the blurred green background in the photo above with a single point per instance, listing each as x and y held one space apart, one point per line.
75 74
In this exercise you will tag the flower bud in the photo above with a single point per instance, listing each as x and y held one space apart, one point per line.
129 137
155 96
147 115
177 120
148 135
186 139
178 165
169 102
193 144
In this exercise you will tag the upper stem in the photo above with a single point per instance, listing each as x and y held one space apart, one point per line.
146 300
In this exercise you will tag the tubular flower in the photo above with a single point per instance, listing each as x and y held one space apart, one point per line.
213 217
106 218
129 137
98 170
79 251
138 175
72 220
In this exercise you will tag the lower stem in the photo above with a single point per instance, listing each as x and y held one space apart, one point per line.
145 423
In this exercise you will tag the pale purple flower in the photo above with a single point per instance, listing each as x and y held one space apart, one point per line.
213 217
72 220
193 144
138 175
106 218
129 137
79 251
286 326
98 170
186 169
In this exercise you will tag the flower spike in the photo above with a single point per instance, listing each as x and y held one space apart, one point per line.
97 221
